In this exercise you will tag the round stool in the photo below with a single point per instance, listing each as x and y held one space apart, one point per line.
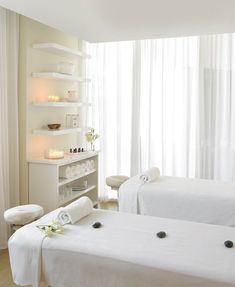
116 181
20 215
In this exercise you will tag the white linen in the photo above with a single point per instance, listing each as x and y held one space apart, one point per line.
126 252
25 247
150 175
63 217
65 172
197 200
75 210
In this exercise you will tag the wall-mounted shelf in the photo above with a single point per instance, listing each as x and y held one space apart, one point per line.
58 76
60 104
63 181
60 50
56 132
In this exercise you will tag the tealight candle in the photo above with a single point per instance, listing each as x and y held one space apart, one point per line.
53 98
54 154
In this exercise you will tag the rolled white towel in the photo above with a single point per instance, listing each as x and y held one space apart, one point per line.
75 211
78 169
150 174
83 167
74 170
88 165
65 172
92 164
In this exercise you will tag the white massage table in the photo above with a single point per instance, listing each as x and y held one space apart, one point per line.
125 252
197 200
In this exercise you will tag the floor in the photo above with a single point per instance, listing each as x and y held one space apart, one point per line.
5 271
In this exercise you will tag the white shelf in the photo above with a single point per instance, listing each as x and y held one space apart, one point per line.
77 194
60 50
60 104
56 132
63 181
58 76
68 159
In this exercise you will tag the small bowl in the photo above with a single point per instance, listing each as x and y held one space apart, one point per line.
54 126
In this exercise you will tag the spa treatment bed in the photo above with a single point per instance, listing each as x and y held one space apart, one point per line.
123 252
197 200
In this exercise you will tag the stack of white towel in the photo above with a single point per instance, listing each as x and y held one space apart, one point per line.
75 170
75 211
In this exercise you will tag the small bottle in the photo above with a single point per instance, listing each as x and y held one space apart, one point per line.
79 149
82 149
71 150
75 150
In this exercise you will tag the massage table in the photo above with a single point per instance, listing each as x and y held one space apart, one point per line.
124 252
197 200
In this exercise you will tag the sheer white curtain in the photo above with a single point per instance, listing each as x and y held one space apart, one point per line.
111 94
166 103
9 159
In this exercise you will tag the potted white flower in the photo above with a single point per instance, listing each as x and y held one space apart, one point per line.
91 136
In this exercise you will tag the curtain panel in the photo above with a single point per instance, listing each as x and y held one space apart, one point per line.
9 155
168 103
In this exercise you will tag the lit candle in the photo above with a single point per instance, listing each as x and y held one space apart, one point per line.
54 154
52 98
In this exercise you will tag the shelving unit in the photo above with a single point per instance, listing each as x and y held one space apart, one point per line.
58 132
45 185
60 50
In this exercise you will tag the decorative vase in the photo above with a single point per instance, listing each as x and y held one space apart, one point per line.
92 146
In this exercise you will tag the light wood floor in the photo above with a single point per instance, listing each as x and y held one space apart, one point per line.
5 271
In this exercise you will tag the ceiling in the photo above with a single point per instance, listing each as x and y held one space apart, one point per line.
117 20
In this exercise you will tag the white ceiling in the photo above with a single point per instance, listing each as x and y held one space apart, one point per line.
116 20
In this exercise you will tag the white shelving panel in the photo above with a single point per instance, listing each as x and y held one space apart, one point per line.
58 76
58 132
60 50
46 186
60 104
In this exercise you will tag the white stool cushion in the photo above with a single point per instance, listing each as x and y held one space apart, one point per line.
23 214
116 181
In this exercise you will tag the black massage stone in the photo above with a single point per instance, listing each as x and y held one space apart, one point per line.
97 225
161 234
228 244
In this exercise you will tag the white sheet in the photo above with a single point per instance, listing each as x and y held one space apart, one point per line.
25 247
196 200
125 252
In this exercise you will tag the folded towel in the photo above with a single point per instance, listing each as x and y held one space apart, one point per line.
78 169
65 172
150 174
75 211
74 170
92 164
83 167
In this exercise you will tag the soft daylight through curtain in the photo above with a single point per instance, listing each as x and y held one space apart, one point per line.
167 103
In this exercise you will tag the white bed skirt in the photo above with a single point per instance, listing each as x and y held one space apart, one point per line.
197 200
